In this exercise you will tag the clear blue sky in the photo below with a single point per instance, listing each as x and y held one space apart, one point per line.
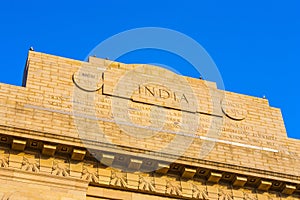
255 44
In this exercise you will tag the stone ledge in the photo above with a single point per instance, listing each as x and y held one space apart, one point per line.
184 161
50 165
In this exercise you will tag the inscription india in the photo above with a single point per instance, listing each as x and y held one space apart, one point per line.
142 114
156 106
234 127
162 93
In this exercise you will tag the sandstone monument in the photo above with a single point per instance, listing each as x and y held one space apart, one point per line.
106 130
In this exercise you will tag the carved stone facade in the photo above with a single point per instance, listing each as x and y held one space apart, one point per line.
106 130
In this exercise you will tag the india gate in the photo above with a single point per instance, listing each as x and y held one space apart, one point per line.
100 129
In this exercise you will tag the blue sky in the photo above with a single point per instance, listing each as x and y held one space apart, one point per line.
255 44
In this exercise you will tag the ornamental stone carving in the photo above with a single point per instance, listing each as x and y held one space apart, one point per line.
60 168
29 165
199 193
174 188
3 161
118 179
225 195
146 184
89 175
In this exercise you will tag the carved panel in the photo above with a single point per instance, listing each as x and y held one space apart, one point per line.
199 191
60 168
146 183
225 195
4 158
118 179
89 173
173 187
30 165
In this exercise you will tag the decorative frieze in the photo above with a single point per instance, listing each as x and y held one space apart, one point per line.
199 191
60 168
4 158
118 179
174 187
146 183
30 165
89 174
189 183
225 195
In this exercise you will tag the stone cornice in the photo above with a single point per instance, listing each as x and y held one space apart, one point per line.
79 174
206 171
103 147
